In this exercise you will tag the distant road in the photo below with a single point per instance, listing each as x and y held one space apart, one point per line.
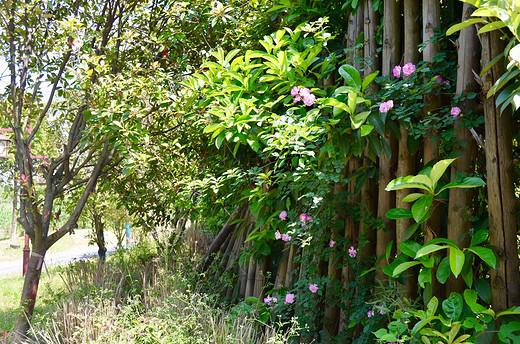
51 259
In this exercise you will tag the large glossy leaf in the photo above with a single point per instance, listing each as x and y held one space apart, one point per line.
412 197
427 249
425 276
404 266
479 237
409 248
464 24
456 260
405 183
368 79
443 270
438 170
483 289
398 213
486 254
421 207
452 306
466 183
351 76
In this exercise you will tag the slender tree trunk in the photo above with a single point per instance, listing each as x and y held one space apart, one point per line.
15 212
388 164
505 286
30 290
460 200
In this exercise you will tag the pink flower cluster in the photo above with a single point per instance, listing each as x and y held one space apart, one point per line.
407 70
289 298
283 215
352 252
313 288
332 243
455 111
285 237
269 299
385 106
303 94
304 218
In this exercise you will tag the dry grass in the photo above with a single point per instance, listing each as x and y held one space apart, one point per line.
142 299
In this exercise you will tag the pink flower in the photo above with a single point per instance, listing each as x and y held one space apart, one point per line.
370 314
289 298
352 252
382 312
309 100
385 106
305 92
277 235
408 69
332 243
397 71
439 79
286 237
303 217
296 99
455 111
295 91
313 288
283 215
270 299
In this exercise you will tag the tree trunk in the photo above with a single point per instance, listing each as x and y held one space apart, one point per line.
100 236
505 284
461 199
15 212
29 292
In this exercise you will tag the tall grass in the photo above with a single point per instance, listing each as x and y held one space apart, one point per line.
137 297
6 216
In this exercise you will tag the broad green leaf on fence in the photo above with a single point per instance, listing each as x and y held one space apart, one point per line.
483 289
410 231
510 311
432 307
443 241
368 79
486 254
421 207
398 213
366 129
479 237
404 266
495 25
467 182
351 76
406 183
427 249
425 276
410 248
452 306
510 332
412 197
443 270
438 170
388 250
456 260
464 24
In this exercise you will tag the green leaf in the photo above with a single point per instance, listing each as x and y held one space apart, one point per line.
495 25
358 119
405 183
388 250
483 289
366 129
510 311
351 76
410 231
336 103
438 170
404 266
510 332
432 307
464 24
427 249
456 260
486 254
398 213
452 306
368 79
466 183
421 208
425 276
412 197
443 270
479 237
409 248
